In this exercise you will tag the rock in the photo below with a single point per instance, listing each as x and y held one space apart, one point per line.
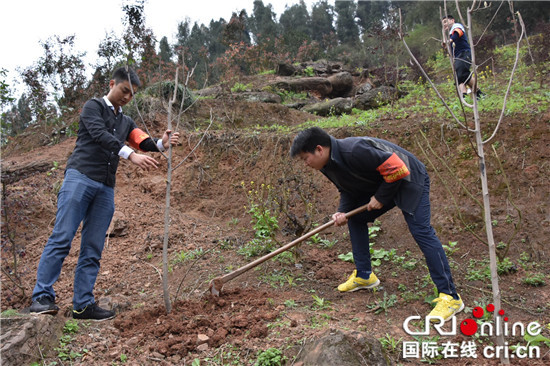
377 97
296 105
342 84
22 336
284 69
336 347
203 347
324 67
319 85
118 226
336 106
363 88
213 91
202 338
11 174
264 97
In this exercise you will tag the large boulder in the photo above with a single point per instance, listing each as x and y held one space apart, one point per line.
336 106
336 347
342 84
284 69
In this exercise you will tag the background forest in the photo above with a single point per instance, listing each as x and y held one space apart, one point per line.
362 34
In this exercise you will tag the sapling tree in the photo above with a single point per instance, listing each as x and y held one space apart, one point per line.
478 132
182 108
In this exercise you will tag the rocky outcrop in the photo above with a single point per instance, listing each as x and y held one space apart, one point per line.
25 337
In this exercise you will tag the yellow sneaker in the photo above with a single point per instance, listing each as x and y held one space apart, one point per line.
446 307
355 283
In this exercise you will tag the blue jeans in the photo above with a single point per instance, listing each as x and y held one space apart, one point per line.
422 232
80 199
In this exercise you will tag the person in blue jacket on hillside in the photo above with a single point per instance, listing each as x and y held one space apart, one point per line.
462 54
87 194
376 172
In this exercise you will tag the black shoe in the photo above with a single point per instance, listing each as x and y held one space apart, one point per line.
93 312
480 95
44 305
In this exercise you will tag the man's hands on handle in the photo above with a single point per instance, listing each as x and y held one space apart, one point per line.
146 162
340 218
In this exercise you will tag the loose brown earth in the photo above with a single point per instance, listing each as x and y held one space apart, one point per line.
284 302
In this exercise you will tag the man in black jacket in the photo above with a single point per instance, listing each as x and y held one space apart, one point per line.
383 175
87 194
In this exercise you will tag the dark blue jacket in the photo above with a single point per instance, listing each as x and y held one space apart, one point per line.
457 34
362 167
101 135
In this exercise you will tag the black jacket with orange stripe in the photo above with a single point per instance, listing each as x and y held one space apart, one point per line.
101 135
362 167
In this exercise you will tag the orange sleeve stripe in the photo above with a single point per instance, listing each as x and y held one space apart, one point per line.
460 32
136 137
393 169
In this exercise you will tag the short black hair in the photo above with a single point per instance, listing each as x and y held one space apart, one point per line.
126 73
307 140
448 16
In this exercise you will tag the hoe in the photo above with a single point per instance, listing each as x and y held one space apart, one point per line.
217 283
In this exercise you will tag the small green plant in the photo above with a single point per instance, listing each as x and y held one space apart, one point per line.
308 71
260 201
54 168
183 256
410 264
267 72
320 303
390 343
9 313
290 303
348 257
270 357
451 248
506 266
535 280
322 242
384 304
276 278
240 87
429 342
71 327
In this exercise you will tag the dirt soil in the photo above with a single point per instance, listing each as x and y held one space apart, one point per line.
286 301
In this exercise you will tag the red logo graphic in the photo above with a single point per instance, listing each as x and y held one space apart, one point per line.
469 326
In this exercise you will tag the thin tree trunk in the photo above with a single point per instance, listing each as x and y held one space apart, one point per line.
486 204
165 288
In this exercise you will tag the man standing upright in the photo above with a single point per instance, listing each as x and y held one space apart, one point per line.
87 194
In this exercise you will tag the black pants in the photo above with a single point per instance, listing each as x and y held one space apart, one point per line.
462 67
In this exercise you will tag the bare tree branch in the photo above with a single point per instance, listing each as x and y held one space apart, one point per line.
425 74
518 44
